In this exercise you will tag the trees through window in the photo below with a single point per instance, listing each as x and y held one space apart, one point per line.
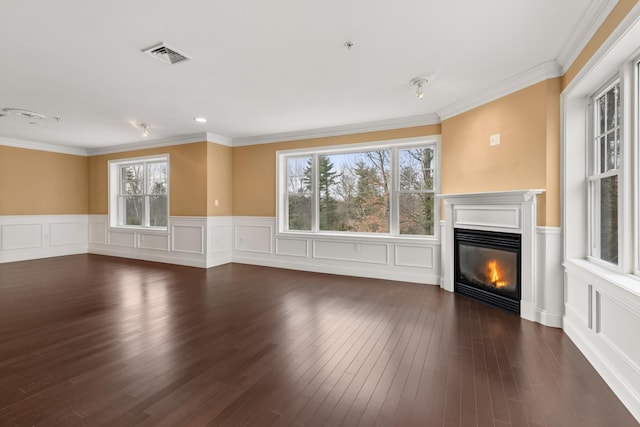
604 179
141 198
388 190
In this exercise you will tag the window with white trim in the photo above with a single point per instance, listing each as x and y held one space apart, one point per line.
138 192
604 178
385 189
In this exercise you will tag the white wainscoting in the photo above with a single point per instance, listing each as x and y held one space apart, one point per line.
193 241
414 260
549 292
24 237
602 317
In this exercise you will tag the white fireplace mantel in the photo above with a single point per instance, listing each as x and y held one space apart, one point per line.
503 211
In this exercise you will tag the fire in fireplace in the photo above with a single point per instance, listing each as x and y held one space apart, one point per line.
487 267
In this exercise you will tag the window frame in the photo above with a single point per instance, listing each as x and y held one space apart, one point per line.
633 133
282 208
116 207
628 75
594 177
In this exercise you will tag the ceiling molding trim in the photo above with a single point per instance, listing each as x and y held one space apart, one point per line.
589 23
397 123
164 142
42 146
615 42
216 138
544 71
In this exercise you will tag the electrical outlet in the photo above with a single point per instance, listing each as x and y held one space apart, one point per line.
216 202
494 139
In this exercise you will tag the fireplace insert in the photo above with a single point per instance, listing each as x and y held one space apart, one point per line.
487 267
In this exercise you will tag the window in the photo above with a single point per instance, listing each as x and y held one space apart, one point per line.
138 192
605 174
386 189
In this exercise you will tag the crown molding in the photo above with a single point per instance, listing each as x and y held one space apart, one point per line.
397 123
163 142
541 72
616 49
219 139
591 20
42 146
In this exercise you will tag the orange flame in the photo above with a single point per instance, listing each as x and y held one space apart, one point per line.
494 275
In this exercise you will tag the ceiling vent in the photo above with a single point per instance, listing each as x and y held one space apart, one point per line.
166 54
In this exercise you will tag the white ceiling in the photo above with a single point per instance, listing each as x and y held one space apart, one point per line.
270 67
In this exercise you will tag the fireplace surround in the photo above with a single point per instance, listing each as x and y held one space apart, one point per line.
513 212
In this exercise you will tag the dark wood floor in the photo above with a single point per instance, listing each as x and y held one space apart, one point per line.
95 340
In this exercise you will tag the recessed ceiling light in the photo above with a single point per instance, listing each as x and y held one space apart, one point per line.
200 120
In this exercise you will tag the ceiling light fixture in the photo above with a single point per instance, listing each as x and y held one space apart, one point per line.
419 83
145 129
200 120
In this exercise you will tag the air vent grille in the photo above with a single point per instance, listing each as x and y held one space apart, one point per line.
166 54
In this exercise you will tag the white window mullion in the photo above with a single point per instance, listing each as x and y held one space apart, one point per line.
394 193
315 194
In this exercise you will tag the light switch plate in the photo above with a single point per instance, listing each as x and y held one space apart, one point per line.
494 139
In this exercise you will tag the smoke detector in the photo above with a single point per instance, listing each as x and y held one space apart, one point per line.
166 54
22 113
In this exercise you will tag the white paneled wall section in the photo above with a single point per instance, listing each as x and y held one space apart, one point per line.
194 241
24 237
409 259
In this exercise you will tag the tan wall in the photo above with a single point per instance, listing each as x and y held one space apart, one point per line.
188 178
219 179
621 9
254 167
470 164
34 182
552 195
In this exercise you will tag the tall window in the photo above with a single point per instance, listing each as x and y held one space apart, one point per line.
138 192
605 172
386 190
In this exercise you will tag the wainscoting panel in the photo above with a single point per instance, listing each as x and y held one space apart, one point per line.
414 256
21 236
24 237
98 231
602 317
412 260
347 251
549 291
219 240
253 238
156 242
125 238
291 247
188 238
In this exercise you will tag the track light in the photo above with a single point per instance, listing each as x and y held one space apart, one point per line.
419 83
145 129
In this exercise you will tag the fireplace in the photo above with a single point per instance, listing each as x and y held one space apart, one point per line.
487 267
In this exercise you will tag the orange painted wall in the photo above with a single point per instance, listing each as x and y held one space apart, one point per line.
528 124
34 182
254 167
219 179
188 178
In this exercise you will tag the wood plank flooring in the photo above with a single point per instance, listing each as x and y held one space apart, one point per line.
93 340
